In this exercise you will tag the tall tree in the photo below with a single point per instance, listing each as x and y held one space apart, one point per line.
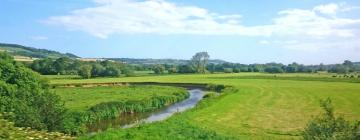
85 71
199 61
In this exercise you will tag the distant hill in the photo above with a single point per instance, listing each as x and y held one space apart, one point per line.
23 52
159 61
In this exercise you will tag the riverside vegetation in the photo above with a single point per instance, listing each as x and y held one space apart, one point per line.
91 104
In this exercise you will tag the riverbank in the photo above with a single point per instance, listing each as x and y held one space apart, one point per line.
89 105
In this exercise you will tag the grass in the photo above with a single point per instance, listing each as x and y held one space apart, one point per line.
82 98
263 106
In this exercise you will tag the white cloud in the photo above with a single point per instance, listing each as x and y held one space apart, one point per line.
156 16
310 26
264 42
38 38
330 9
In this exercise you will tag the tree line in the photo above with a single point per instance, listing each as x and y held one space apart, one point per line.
70 66
346 67
199 63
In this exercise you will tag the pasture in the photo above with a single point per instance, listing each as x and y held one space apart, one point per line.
264 105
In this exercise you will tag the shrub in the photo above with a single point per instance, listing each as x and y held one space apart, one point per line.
210 95
327 126
27 95
216 88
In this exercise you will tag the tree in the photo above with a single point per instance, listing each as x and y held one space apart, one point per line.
339 69
159 69
228 70
199 61
172 69
348 63
97 70
186 69
44 66
85 71
274 69
62 64
112 71
128 71
27 95
292 68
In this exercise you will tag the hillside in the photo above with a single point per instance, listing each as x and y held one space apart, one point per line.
28 53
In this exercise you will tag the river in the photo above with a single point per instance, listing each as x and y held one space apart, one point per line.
129 120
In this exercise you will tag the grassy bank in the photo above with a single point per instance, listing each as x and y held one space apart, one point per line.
91 104
262 106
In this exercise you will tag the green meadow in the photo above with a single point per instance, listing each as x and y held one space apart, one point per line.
263 106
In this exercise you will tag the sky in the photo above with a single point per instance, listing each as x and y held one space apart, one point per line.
246 31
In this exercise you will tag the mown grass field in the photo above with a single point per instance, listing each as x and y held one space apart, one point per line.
265 105
82 98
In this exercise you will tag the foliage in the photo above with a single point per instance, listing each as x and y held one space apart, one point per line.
329 127
228 70
186 69
274 69
172 70
85 71
150 61
10 132
27 95
199 61
346 67
159 69
68 66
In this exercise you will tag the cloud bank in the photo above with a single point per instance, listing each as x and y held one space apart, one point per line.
313 26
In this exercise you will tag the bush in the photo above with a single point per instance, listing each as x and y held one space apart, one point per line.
27 95
10 132
210 95
327 126
216 88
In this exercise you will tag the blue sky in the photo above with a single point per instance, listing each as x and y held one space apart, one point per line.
256 31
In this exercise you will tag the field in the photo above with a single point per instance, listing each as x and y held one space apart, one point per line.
264 106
